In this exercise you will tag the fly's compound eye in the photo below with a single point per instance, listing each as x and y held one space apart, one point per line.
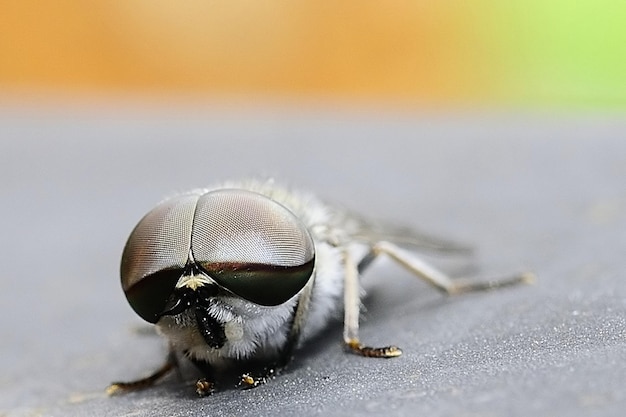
252 246
156 254
246 242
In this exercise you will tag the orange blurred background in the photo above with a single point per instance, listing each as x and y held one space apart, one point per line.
406 51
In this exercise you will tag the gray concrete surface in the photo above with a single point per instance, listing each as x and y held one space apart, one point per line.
536 192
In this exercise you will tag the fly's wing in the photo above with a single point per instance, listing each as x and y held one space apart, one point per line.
371 232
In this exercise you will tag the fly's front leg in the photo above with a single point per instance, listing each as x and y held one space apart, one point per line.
170 364
436 278
204 386
298 319
254 379
263 374
352 306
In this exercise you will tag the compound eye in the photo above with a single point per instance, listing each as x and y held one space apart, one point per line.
155 255
252 246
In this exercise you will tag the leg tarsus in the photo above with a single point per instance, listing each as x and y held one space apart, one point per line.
462 286
252 380
373 352
204 387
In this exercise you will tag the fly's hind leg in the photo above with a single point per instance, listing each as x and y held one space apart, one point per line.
420 268
436 278
170 364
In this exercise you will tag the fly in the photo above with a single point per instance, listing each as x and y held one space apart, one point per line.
249 271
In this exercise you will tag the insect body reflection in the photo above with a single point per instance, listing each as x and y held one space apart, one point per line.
250 270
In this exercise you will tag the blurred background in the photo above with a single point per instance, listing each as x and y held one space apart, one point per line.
417 53
495 123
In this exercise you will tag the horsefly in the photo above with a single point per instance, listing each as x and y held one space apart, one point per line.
248 271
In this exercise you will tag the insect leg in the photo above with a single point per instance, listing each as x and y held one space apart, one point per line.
352 305
252 379
170 364
204 386
436 278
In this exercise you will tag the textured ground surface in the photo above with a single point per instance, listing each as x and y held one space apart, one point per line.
530 191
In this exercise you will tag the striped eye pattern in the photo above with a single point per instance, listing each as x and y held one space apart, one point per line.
246 243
